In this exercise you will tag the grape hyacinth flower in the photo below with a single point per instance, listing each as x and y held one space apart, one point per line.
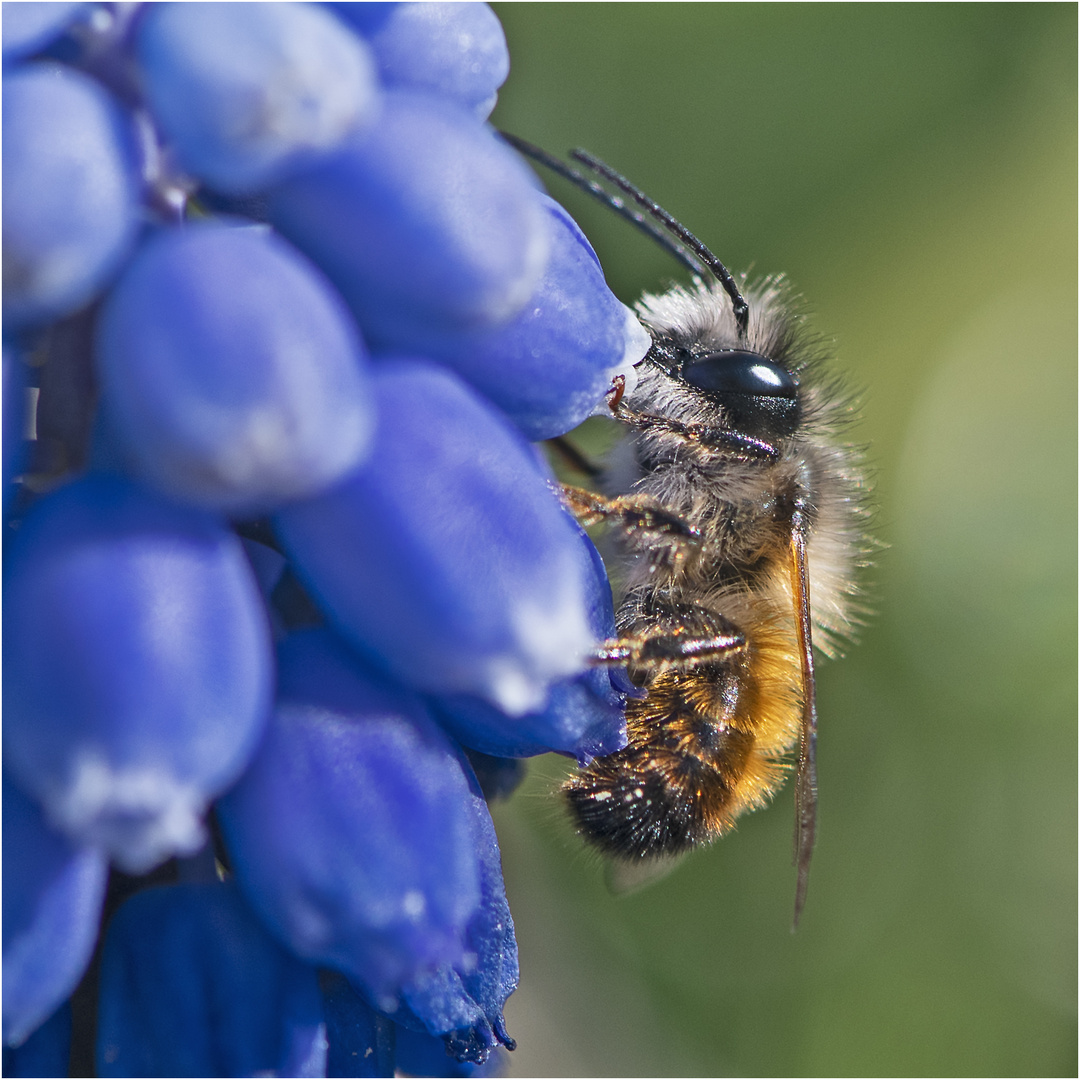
287 588
71 203
245 95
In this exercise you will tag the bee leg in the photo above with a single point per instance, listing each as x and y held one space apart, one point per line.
684 640
712 438
633 513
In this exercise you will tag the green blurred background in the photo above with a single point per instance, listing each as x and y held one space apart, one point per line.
913 169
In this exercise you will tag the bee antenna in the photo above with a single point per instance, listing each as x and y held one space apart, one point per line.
660 235
740 308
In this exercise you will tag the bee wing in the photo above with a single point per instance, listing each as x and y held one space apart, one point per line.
624 876
806 778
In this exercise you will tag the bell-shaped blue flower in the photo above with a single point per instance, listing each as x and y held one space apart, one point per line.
364 1042
583 716
416 1053
71 191
447 556
427 217
249 93
551 366
351 833
576 720
463 1002
231 371
192 985
137 666
456 50
53 892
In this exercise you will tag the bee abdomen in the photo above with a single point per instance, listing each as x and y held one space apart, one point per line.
654 800
705 746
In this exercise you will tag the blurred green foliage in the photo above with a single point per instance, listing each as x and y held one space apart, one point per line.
913 170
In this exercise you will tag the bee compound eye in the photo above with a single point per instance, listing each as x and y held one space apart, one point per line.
737 372
759 397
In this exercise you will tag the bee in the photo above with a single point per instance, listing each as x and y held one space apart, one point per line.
740 515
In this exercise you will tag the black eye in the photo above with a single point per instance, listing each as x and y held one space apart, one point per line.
759 397
738 372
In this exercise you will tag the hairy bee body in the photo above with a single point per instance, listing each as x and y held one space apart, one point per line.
735 436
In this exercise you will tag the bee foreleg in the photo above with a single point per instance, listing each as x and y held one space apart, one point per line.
633 514
712 438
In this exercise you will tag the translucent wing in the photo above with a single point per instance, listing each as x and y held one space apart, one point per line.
626 876
806 777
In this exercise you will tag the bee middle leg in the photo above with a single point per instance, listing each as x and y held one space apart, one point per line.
682 637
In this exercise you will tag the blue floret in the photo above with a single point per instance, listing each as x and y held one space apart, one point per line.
71 191
548 366
137 666
428 217
350 833
445 556
232 373
455 50
250 93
